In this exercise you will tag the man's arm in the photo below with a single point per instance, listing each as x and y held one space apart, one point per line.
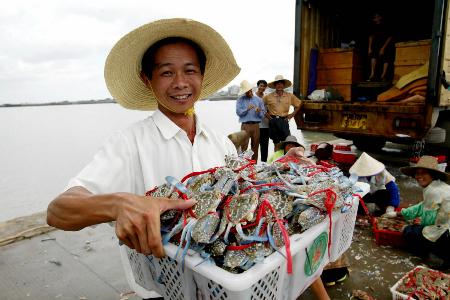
241 108
137 217
294 100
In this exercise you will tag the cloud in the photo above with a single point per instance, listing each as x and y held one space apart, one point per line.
53 50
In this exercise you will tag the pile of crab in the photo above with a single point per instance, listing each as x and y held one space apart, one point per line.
246 211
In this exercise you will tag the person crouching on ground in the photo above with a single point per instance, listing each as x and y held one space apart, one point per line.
383 189
250 110
291 147
431 238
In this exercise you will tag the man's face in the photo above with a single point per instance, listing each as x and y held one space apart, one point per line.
249 94
176 77
423 177
262 87
279 85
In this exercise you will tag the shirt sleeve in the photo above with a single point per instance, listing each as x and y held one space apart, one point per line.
392 188
241 108
413 212
295 101
110 169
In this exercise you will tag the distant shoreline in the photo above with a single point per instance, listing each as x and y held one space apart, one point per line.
6 105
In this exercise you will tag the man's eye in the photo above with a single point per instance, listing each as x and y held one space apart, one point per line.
166 73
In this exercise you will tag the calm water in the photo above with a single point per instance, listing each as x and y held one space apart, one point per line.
42 147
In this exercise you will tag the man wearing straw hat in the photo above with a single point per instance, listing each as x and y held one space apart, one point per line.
250 110
278 104
166 66
431 238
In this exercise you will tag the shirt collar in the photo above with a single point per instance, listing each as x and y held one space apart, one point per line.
169 129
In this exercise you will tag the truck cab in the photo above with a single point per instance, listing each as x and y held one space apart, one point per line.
331 54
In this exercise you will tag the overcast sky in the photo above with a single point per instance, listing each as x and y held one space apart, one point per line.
54 50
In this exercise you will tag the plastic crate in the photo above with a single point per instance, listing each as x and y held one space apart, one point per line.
151 277
399 296
342 230
384 237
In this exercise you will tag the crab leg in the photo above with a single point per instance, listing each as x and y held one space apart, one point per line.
183 235
271 240
252 238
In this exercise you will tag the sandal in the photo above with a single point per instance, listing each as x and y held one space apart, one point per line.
332 276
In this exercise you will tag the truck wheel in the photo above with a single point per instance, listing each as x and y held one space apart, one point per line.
369 144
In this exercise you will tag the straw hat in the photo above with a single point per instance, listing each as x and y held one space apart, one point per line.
290 139
428 163
287 83
245 87
366 165
123 65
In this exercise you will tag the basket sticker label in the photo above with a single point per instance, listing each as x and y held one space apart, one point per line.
315 253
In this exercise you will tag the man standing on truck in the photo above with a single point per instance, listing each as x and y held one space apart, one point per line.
277 105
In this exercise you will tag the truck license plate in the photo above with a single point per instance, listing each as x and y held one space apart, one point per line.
354 121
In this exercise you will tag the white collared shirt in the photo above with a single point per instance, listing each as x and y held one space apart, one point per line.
139 158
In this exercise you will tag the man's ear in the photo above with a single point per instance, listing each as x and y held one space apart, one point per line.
144 78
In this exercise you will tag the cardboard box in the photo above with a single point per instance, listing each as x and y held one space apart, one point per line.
339 68
410 55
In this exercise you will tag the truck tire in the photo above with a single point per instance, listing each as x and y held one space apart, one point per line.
369 144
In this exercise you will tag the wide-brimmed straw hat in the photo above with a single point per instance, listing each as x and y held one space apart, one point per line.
366 165
245 87
428 163
287 83
123 65
290 139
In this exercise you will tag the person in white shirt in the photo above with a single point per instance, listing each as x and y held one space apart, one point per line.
165 66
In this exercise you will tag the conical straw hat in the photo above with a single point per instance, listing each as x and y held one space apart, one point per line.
123 64
366 165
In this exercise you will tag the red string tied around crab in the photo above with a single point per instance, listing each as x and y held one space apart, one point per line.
329 203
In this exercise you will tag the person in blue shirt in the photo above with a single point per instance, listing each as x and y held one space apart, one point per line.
250 110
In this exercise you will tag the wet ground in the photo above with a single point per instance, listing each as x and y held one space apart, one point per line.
37 263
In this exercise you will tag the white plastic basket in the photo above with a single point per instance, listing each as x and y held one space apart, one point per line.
342 231
150 277
399 296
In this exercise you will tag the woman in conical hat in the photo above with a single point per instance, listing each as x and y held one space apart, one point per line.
383 189
431 238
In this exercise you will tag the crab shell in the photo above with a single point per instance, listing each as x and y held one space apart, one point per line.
310 217
205 228
206 202
235 258
255 251
280 202
241 207
195 183
218 248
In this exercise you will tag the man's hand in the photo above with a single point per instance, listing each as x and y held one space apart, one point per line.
138 221
257 109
